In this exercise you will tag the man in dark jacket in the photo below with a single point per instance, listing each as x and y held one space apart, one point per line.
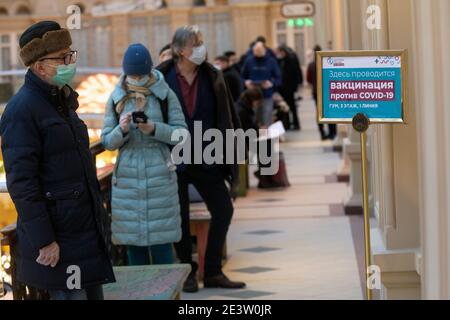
231 76
261 70
292 78
311 77
234 60
205 99
50 174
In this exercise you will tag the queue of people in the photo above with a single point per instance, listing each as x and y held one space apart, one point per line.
52 180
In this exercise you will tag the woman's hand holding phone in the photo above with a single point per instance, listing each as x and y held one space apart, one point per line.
147 128
124 122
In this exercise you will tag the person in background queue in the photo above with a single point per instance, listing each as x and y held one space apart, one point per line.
165 53
312 79
291 79
231 76
262 71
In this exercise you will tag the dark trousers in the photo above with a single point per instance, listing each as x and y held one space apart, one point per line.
210 184
155 254
332 128
91 293
290 100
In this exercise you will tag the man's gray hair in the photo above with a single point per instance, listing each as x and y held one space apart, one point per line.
181 38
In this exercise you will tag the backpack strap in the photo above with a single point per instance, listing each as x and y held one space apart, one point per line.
164 109
115 111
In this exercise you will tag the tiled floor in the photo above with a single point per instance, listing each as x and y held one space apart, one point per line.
294 243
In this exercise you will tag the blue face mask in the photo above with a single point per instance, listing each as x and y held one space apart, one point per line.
64 74
138 83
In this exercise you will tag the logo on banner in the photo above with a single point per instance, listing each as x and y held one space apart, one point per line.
336 62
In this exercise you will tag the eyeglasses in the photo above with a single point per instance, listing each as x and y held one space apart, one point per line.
69 58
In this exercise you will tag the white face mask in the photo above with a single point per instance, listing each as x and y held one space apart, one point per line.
138 83
198 55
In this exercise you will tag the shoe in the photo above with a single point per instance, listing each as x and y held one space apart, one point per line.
270 186
191 284
222 281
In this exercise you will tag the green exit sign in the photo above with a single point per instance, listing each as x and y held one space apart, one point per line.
301 22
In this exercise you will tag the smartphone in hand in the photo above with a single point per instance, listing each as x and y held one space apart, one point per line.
139 117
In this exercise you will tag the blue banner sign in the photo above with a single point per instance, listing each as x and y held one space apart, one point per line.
373 83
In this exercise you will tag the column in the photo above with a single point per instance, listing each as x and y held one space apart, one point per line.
395 239
432 46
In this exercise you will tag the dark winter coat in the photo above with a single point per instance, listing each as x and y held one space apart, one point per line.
291 75
234 82
225 116
52 181
247 116
311 77
262 69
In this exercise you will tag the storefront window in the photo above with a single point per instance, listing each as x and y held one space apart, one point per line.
101 36
161 34
295 35
80 43
223 32
139 30
5 52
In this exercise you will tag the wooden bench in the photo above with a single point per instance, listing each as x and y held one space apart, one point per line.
199 226
154 282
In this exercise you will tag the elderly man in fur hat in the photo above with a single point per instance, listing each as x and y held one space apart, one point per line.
50 175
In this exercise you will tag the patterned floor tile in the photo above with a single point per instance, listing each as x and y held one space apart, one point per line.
248 294
259 249
263 232
254 270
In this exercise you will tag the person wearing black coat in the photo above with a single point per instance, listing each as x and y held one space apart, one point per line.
311 76
249 100
50 174
292 78
205 98
231 76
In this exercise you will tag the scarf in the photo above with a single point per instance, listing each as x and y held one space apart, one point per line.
136 92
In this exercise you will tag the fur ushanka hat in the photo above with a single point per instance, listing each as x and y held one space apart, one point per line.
41 39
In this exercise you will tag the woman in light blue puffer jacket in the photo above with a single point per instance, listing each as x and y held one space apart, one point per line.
145 206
